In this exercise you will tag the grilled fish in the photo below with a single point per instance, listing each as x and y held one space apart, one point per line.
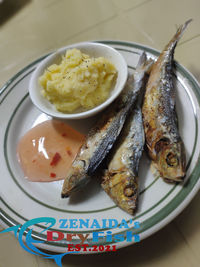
101 138
164 143
120 180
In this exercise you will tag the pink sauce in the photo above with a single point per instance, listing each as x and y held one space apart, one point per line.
47 151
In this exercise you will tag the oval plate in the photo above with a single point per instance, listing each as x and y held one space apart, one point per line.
159 202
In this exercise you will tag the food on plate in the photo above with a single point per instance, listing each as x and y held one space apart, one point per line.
79 82
163 140
102 137
53 150
47 151
120 180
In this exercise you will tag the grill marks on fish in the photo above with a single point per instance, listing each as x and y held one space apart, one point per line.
100 139
160 120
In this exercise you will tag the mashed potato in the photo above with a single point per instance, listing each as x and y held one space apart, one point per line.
78 82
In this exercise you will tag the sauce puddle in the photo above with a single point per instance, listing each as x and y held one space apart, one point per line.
47 151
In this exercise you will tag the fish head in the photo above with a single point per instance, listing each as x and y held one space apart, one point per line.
171 161
122 187
77 178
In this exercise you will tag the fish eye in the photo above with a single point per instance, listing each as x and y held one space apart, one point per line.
172 160
129 191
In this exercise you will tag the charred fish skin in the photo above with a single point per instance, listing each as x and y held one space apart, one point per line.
163 141
120 179
100 139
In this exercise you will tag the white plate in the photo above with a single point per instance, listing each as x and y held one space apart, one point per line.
159 202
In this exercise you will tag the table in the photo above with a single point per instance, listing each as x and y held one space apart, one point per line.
31 28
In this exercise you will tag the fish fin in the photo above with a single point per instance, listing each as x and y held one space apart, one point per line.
154 170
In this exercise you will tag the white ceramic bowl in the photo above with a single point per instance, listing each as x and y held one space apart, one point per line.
93 50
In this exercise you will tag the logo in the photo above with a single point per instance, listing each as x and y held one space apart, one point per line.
24 233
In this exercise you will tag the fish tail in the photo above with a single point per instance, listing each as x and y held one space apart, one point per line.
144 63
142 72
181 30
172 44
142 60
